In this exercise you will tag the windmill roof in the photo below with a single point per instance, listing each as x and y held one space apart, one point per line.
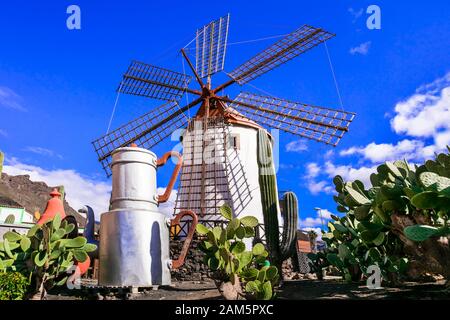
234 116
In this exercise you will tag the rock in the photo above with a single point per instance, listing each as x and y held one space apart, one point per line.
31 195
193 269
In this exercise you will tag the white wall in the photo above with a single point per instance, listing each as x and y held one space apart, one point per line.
248 156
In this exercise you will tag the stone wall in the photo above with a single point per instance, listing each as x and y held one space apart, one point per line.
193 269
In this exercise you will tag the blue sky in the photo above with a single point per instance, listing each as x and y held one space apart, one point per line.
57 86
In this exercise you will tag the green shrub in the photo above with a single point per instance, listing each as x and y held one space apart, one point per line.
13 286
45 252
246 273
404 203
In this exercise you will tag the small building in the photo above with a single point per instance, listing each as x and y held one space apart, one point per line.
13 216
11 211
303 242
303 248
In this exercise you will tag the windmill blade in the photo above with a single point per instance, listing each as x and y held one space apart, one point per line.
294 44
146 131
149 81
211 46
312 122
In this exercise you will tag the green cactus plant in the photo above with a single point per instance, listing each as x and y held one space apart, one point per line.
238 273
2 159
44 252
13 286
62 191
10 219
278 252
404 202
421 233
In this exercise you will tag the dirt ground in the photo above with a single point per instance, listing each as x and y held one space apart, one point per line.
292 289
336 289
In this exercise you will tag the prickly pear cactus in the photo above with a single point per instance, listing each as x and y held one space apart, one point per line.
421 233
45 252
394 223
238 273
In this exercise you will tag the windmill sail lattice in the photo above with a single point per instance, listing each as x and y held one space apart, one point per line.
212 173
203 183
146 131
316 123
211 46
149 81
289 47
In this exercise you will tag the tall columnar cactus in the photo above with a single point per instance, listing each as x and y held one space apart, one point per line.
2 158
63 193
269 197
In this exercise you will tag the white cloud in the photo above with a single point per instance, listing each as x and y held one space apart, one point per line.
3 133
43 152
80 190
442 140
314 186
326 214
11 100
329 154
315 223
378 153
310 222
424 116
348 173
318 231
167 208
356 14
286 166
297 146
312 170
362 49
426 113
329 170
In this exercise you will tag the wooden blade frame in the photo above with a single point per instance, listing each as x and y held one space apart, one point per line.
146 131
312 122
294 44
149 81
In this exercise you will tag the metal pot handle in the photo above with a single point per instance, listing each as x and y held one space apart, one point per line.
162 161
180 261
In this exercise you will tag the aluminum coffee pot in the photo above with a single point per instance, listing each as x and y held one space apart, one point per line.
134 235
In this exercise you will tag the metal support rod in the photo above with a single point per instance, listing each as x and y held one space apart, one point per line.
224 85
203 182
199 80
143 133
283 114
163 84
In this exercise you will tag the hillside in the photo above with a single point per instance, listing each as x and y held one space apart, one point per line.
31 195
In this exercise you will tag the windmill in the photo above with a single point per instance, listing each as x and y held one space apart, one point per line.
226 127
